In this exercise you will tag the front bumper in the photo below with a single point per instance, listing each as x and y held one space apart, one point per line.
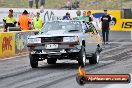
63 48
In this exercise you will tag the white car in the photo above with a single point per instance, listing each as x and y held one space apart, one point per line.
74 40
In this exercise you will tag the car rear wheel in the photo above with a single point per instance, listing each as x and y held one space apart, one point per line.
51 61
82 57
95 58
33 61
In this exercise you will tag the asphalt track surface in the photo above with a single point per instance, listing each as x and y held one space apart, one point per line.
116 58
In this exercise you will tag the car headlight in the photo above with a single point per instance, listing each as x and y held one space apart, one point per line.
34 40
70 39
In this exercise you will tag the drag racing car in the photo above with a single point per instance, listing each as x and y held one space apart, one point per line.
58 40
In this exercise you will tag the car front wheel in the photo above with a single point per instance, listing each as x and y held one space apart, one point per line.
82 57
33 61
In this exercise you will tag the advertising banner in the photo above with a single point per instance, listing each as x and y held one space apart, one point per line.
126 24
114 14
21 41
7 45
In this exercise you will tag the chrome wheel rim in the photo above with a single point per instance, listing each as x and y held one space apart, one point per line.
84 58
98 58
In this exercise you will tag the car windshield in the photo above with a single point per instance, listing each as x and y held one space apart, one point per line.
54 26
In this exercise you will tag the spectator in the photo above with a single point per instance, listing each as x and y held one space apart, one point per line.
76 4
67 16
42 3
90 15
36 2
78 13
24 21
69 4
85 17
30 3
37 22
105 26
9 21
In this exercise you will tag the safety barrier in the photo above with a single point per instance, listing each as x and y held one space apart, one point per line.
14 43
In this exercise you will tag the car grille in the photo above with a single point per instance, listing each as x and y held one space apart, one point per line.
52 39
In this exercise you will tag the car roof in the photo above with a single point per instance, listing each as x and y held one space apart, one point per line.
68 21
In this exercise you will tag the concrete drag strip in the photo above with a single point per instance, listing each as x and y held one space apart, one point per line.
120 86
17 73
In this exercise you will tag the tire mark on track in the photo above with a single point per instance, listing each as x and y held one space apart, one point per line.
71 76
121 56
15 74
18 73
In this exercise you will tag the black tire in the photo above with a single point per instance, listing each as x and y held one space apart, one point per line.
51 61
94 59
33 61
82 57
